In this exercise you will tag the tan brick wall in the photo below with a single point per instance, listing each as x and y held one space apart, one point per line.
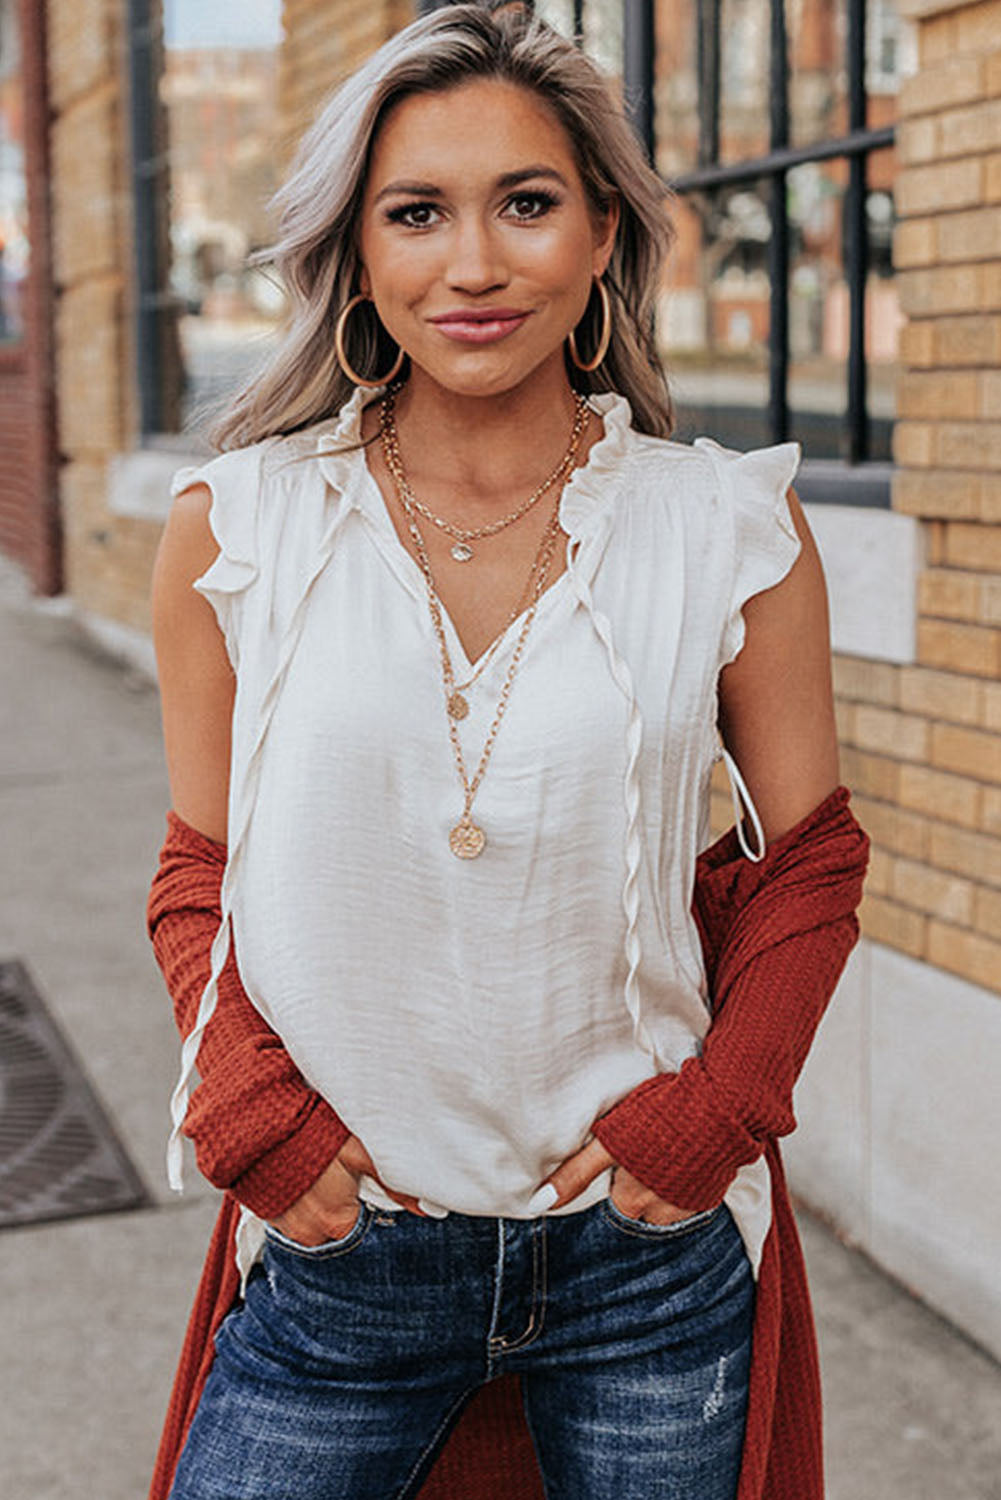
324 41
108 559
922 744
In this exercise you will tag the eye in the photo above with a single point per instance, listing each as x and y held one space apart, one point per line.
532 205
412 215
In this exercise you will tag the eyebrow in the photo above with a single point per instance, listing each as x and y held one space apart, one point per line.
506 180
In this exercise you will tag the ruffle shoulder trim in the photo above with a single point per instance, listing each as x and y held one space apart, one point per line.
234 480
753 488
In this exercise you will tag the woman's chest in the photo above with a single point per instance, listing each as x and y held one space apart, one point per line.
366 688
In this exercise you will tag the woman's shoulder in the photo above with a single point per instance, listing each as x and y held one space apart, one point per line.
704 485
707 459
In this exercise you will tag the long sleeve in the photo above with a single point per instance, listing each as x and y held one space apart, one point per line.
258 1129
772 970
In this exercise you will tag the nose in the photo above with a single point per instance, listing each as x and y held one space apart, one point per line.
476 263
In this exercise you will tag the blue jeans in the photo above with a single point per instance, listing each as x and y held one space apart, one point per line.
343 1371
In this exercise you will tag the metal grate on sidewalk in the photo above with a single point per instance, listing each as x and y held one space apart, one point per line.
59 1155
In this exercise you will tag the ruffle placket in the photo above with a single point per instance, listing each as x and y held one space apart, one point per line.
587 515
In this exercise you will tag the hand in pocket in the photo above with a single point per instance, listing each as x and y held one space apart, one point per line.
628 1194
329 1209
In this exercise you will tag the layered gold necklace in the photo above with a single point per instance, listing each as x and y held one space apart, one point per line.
461 549
467 839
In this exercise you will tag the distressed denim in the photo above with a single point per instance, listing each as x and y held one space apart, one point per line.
341 1374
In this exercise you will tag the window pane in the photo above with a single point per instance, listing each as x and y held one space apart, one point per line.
714 319
603 34
13 184
558 13
602 28
883 317
817 32
891 56
676 99
818 308
219 91
744 85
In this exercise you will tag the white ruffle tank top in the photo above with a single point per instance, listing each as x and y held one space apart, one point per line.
469 1020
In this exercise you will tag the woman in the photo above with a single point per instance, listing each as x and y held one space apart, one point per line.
445 642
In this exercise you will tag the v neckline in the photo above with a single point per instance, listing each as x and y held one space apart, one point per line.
585 504
406 566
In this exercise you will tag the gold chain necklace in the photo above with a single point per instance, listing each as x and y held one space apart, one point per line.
458 707
467 840
462 551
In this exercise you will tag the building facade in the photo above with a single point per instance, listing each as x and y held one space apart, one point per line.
898 1106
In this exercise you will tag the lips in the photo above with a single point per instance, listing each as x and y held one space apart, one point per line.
480 315
481 326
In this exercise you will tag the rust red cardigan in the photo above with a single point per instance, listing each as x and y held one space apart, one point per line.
775 937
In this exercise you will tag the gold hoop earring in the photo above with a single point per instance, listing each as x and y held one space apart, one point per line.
342 358
606 332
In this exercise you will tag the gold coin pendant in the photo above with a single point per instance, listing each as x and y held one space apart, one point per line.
458 708
466 841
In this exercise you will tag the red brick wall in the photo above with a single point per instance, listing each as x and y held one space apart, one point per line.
29 528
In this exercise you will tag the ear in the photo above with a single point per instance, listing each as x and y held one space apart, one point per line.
605 231
364 284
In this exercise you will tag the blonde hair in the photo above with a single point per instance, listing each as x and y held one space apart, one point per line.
319 206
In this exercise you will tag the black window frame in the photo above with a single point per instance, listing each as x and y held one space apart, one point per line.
865 481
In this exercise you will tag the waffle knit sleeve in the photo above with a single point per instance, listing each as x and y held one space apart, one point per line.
258 1129
772 973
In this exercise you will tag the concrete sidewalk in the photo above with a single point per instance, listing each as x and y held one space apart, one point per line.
93 1309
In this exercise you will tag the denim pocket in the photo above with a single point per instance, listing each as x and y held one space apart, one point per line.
644 1230
326 1248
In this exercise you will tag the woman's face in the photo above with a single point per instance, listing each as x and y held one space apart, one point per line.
478 242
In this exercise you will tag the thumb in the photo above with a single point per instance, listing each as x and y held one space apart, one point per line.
571 1177
355 1157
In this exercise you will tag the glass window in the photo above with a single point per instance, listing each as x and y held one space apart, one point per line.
813 355
13 182
819 322
884 319
218 91
677 86
744 90
715 316
600 22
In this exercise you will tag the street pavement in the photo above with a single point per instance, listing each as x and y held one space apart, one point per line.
94 1308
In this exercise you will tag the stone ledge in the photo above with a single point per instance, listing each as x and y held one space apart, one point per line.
872 559
139 482
921 10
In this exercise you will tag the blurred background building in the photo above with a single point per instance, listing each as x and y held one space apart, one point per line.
836 169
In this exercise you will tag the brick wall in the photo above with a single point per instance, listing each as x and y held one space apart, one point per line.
324 41
29 518
922 743
107 558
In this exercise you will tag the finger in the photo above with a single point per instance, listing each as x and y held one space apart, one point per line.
571 1177
354 1156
